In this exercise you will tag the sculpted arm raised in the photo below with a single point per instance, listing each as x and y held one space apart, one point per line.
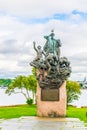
34 45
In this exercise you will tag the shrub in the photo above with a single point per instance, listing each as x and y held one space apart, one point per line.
29 101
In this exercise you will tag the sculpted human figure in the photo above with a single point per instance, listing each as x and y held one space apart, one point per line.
51 61
39 52
53 69
58 45
52 45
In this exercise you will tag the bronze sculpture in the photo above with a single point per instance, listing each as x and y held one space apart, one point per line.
39 52
52 45
53 69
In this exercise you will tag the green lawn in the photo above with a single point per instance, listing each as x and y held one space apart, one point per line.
26 110
17 111
80 113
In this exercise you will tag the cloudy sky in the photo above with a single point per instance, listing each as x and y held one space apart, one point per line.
25 21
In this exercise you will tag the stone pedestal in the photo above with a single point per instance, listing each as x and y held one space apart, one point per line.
52 108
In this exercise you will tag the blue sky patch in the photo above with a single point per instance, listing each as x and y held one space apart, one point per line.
82 14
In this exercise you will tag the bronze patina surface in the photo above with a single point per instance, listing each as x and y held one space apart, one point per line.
50 94
57 68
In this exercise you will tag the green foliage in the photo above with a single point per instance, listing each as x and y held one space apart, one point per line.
34 71
23 85
32 83
81 85
73 91
29 101
5 82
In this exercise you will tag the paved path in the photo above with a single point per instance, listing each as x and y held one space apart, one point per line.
37 123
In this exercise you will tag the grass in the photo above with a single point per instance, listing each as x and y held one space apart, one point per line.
26 110
80 113
17 111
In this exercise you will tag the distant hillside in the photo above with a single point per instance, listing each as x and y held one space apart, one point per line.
5 82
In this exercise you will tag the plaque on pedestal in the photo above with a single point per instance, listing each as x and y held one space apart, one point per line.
48 94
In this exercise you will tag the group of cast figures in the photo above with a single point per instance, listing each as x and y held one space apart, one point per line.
53 69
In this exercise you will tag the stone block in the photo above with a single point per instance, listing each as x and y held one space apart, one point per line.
55 108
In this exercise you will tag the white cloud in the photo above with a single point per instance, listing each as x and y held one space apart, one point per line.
16 36
41 8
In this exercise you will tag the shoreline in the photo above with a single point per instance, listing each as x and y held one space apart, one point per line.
13 105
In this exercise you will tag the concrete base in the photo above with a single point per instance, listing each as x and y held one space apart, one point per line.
52 108
38 123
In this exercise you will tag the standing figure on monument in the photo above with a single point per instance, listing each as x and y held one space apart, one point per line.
39 52
58 45
52 45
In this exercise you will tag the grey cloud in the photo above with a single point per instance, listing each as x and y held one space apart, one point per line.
23 63
80 69
12 74
10 41
9 46
79 62
12 46
79 59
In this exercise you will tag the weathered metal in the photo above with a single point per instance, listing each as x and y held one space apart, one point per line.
53 69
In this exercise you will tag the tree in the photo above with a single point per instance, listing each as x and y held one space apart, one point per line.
34 71
32 84
23 85
73 91
5 82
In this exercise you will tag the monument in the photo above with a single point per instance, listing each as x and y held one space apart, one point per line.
52 73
